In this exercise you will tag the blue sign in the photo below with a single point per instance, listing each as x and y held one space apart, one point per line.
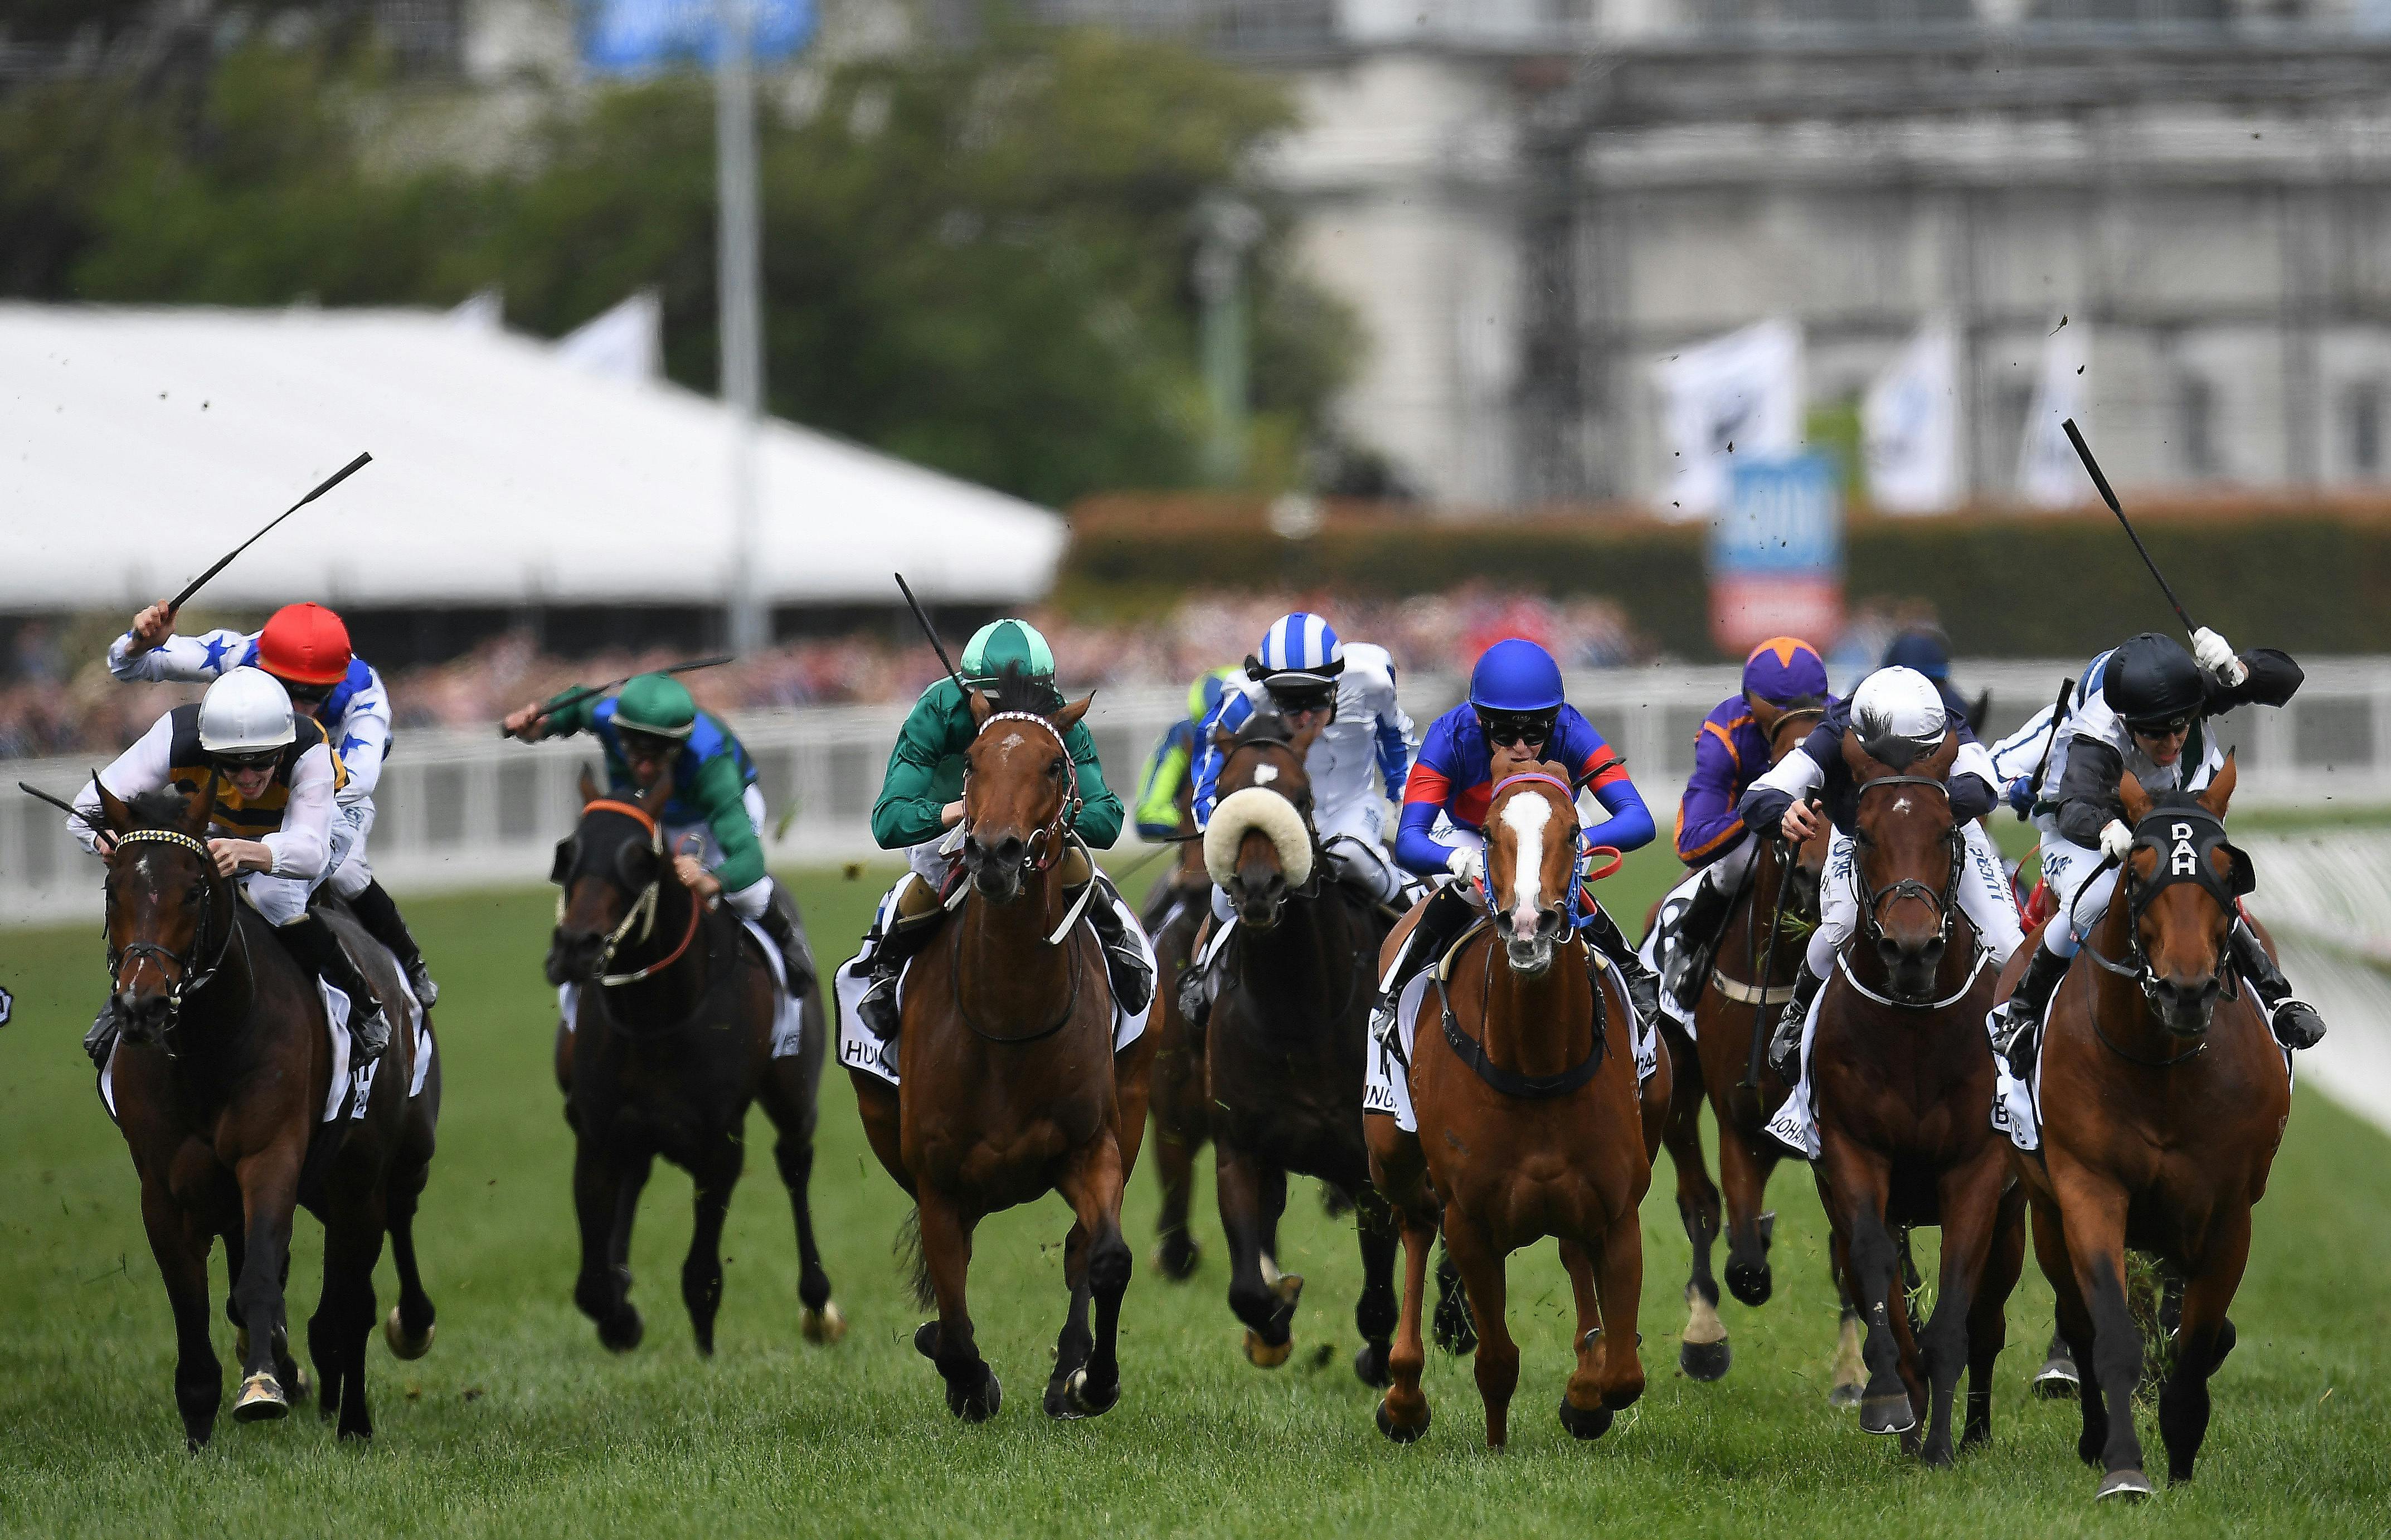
1783 516
637 36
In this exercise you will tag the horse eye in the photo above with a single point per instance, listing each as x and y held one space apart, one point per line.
1057 767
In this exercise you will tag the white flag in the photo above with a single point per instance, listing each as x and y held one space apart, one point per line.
2050 475
1736 394
1909 424
626 342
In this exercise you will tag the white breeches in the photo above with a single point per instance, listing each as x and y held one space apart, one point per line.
1984 897
2065 868
283 899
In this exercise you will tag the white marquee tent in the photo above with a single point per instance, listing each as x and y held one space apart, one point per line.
138 445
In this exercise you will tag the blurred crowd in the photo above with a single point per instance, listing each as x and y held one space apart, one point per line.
53 702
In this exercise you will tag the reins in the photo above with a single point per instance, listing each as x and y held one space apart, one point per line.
643 913
188 977
1047 846
2181 861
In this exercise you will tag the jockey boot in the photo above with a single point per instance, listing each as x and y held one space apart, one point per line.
788 931
1684 972
1449 912
379 916
1125 958
906 936
100 1040
1196 981
1785 1045
316 949
2295 1022
1643 984
2020 1026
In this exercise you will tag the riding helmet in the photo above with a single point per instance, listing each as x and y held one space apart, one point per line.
246 711
1922 648
1003 644
1515 675
657 705
1784 670
2151 678
1899 715
304 645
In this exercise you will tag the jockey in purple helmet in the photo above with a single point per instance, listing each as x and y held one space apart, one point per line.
1515 719
1783 676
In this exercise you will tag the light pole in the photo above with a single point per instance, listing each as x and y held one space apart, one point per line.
739 260
1227 229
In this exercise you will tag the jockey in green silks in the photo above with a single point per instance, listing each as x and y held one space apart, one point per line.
654 723
920 811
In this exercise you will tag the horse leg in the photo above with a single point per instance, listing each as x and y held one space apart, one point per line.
1175 1251
1703 1352
972 1393
408 1330
1987 1323
882 1114
1582 1412
1850 1369
269 1191
789 1100
1970 1204
603 1291
1091 1184
1399 1171
1077 1343
2074 1322
701 1271
1744 1171
1377 1311
1873 1263
2092 1218
181 1245
1498 1357
1618 1275
352 1240
1251 1194
2201 1340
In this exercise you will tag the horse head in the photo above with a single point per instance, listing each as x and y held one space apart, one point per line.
1531 851
1906 849
1259 845
1786 727
2183 881
610 873
170 914
1020 789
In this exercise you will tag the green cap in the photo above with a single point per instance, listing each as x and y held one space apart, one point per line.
656 704
1004 642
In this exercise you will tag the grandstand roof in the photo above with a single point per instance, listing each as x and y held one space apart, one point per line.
136 446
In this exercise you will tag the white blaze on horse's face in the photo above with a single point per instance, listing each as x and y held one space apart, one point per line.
1526 816
1265 774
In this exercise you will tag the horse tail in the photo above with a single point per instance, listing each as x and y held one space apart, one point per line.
907 1248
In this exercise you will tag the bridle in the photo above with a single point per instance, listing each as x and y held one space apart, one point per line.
1265 740
642 915
188 977
1051 840
1946 903
1045 849
2182 848
1577 913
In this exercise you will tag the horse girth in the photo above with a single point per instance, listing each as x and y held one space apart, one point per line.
1472 1052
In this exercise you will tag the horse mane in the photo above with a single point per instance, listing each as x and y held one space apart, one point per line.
162 809
1016 690
1265 726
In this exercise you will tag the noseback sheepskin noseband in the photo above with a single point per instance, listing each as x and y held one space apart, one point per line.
1257 808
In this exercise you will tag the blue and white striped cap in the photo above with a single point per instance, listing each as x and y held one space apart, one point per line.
1299 649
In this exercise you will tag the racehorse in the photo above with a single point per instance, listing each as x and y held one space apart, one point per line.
1009 1085
1539 1127
220 1082
669 1038
1174 913
1902 1081
1285 1054
1750 976
2164 1098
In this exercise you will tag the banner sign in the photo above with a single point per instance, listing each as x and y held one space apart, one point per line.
1723 400
1776 554
636 36
1910 424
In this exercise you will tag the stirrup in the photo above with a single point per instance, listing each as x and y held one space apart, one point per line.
368 1033
418 979
100 1041
2301 1036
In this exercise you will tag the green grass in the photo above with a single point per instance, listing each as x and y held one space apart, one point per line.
519 1425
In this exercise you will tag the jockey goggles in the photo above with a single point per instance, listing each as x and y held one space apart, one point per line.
254 759
2170 727
1503 729
1297 696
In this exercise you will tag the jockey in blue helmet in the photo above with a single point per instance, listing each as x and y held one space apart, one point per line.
1516 720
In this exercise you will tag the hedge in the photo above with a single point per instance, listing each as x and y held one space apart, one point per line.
2312 577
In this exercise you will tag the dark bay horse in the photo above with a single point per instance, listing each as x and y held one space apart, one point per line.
1901 1074
220 1082
1009 1083
1530 1124
1286 1044
671 1040
2163 1100
1181 1121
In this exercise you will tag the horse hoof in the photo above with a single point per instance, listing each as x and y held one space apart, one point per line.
1887 1414
1706 1362
824 1326
1751 1283
2131 1486
980 1404
1402 1433
621 1333
925 1340
1261 1354
1846 1396
261 1400
2056 1380
403 1344
1176 1256
1083 1403
1370 1365
1588 1424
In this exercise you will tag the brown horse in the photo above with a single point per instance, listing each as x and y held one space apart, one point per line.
672 1040
1532 1123
1287 1049
1902 1081
2163 1099
1181 1124
1009 1084
220 1082
1750 977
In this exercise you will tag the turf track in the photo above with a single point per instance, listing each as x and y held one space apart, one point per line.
519 1425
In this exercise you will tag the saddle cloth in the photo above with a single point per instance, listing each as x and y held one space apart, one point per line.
788 1011
1387 1088
2017 1104
351 1088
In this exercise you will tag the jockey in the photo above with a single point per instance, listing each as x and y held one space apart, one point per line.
2143 710
920 811
279 786
1515 718
306 647
1338 704
1731 751
1901 718
1166 792
655 724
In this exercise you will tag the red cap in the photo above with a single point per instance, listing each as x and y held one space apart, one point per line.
304 645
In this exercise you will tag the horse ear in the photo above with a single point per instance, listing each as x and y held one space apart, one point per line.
1068 717
2221 789
114 815
2136 801
1855 758
590 792
980 709
1765 714
201 808
1979 710
1940 765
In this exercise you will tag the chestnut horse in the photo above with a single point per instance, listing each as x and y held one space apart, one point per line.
2164 1098
1181 1124
1902 1081
672 1040
220 1081
1530 1124
1010 1086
